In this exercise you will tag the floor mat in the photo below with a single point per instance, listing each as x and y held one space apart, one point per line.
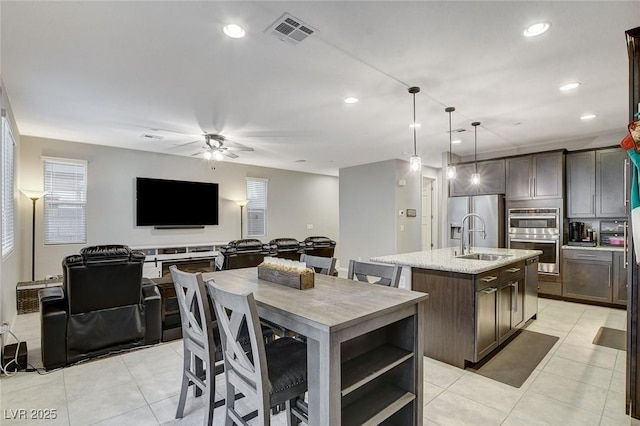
611 338
515 362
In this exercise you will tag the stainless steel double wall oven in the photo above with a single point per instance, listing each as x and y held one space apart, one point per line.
537 229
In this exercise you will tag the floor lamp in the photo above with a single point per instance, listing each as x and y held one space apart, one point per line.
34 195
242 203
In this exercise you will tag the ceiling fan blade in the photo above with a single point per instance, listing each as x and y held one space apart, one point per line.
180 145
238 148
229 154
195 154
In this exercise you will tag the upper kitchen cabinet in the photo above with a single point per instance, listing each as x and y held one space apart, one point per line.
535 177
595 183
610 182
581 184
492 179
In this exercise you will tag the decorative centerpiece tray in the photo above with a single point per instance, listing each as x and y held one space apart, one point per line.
289 273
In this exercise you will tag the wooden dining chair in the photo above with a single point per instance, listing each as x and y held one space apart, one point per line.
202 357
388 275
197 340
321 265
275 373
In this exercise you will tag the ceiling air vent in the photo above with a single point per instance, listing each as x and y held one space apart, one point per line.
290 29
150 136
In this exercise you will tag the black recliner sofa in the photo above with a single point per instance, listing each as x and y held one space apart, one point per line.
244 253
319 246
286 248
103 306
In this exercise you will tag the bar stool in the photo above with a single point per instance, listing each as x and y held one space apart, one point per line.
275 373
387 275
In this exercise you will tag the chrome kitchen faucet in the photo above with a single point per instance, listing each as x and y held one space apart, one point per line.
469 231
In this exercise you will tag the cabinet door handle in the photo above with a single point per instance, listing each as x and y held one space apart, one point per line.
489 290
626 225
513 270
609 275
626 164
514 305
586 255
489 279
594 204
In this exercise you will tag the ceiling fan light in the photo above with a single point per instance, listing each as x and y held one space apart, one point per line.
451 172
350 100
217 156
475 178
569 86
234 31
415 163
536 29
207 155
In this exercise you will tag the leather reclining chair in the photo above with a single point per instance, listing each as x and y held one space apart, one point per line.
104 305
285 248
319 246
241 254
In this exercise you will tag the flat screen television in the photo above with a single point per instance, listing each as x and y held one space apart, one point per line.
175 203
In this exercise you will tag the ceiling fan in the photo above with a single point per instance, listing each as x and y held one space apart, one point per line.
216 150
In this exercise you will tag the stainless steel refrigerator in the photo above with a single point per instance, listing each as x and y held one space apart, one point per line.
489 207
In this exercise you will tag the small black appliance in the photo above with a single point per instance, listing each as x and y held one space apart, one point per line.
576 231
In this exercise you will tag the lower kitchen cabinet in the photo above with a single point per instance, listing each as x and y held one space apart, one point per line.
587 275
620 286
469 315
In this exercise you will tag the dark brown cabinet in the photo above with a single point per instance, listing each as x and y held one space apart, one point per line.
535 177
620 286
587 275
492 179
595 183
581 184
469 315
610 185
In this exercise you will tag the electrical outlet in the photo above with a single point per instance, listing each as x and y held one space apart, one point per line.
4 328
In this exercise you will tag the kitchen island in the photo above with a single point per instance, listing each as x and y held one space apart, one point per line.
476 302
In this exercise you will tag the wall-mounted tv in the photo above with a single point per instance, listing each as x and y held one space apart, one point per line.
175 203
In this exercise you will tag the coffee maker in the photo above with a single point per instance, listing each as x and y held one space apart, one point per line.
576 231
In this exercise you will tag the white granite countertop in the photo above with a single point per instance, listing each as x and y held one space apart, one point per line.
445 259
597 248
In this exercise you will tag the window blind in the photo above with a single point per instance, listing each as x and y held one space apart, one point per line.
257 207
65 204
8 184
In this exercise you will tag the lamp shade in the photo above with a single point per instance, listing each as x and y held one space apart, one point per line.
34 194
242 203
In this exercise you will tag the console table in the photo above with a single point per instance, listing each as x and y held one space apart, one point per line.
192 258
169 310
364 344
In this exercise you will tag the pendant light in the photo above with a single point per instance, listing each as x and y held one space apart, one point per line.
475 177
415 162
451 169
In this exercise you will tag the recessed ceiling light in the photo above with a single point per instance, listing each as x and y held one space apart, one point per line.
536 29
234 31
350 100
416 125
456 141
569 86
587 116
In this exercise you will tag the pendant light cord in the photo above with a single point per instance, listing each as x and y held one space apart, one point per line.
415 150
413 90
450 110
475 125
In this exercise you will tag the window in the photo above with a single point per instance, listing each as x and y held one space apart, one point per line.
65 204
257 207
8 180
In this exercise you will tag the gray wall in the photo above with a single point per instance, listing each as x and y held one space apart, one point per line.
370 200
295 199
10 266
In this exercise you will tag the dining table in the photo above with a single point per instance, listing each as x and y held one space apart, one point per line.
364 344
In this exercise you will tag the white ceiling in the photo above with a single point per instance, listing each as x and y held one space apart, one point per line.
107 72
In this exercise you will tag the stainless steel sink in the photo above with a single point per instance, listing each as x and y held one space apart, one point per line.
484 256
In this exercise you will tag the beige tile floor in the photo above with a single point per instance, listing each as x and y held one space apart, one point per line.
578 383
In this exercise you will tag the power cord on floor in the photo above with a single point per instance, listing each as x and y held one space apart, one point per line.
4 368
